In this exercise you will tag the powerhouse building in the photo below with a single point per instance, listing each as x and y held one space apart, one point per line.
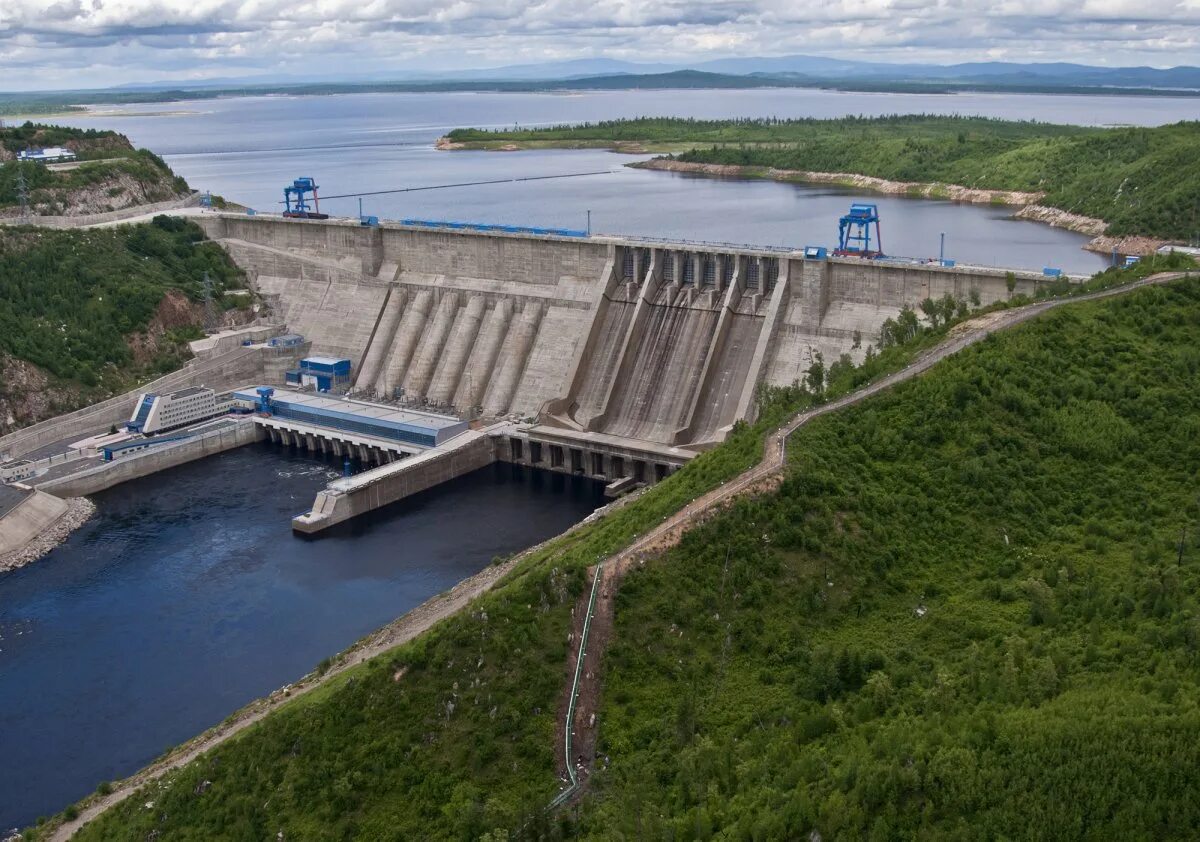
425 429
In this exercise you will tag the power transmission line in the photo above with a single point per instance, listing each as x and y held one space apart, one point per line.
466 184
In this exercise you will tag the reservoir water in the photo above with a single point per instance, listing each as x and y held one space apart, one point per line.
247 148
187 596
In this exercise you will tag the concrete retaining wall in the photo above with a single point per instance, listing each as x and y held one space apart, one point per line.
107 474
29 519
110 216
336 239
234 368
382 486
519 258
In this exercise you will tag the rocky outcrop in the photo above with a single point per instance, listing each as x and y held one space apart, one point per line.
924 190
1062 219
28 394
1094 228
114 192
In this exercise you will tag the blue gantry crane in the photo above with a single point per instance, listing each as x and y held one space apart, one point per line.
295 200
854 232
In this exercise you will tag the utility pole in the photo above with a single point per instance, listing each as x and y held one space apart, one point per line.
210 309
589 223
23 193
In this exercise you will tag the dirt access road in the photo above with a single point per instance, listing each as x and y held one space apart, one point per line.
424 616
762 477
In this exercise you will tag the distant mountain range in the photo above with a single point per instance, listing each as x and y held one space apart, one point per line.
607 74
810 67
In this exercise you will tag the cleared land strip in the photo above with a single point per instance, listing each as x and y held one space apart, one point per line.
426 615
763 476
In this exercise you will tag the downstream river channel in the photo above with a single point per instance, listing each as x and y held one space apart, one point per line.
247 149
187 596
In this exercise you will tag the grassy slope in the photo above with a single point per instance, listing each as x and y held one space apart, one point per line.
772 676
1141 181
113 160
71 299
370 756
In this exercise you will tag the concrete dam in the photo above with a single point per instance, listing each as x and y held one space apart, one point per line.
602 339
611 357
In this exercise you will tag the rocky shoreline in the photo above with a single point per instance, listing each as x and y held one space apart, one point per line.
79 509
916 189
1027 202
1029 209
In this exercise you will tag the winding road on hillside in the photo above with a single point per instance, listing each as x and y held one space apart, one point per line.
763 476
760 477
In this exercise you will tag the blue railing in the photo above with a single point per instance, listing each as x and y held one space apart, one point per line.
489 227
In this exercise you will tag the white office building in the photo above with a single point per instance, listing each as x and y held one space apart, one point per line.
158 413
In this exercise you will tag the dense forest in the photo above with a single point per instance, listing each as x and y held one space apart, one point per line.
112 176
73 301
1141 181
970 610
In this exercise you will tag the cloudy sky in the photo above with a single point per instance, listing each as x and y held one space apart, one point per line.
90 43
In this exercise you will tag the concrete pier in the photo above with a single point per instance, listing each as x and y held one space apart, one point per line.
351 496
596 455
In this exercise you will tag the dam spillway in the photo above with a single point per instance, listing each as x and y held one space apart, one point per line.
610 342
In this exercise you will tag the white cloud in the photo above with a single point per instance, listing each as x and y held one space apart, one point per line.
76 43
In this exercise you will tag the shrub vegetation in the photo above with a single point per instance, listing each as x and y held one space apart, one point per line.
71 299
108 158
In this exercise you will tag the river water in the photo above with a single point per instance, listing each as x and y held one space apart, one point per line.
247 149
187 596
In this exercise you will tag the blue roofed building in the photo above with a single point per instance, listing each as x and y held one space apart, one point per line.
356 418
325 374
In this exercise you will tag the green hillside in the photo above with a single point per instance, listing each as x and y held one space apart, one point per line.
112 175
1140 180
965 613
95 310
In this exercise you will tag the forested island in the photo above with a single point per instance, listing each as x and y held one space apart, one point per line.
1127 181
